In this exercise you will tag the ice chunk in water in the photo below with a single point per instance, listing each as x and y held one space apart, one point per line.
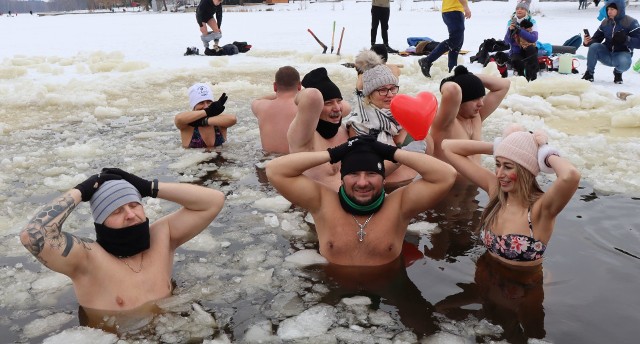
82 335
306 257
287 304
420 228
276 204
260 333
315 321
46 325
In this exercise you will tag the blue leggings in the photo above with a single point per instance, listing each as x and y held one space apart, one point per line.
454 21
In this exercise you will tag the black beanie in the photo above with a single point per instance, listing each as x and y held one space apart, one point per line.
381 50
362 158
319 79
612 4
471 85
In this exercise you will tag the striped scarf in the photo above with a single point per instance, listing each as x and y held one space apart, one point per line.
367 119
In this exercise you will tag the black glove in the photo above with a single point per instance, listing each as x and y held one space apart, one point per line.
338 152
619 37
89 186
142 185
526 23
385 151
201 122
216 107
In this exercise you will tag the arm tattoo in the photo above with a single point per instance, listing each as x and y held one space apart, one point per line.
46 228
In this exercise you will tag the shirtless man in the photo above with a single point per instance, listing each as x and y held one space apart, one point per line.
275 112
358 225
318 123
204 126
131 261
464 105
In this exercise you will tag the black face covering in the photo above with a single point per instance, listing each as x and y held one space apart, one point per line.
124 242
351 207
327 129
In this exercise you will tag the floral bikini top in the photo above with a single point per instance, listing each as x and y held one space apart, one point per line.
516 247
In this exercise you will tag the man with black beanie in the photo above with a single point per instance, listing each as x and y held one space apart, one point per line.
464 105
358 225
318 123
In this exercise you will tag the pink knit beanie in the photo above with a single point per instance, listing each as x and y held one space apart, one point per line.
521 147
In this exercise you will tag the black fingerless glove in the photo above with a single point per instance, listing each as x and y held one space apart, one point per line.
619 37
143 186
338 152
91 185
216 107
385 151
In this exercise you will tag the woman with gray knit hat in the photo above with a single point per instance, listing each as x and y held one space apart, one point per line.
518 221
130 263
372 114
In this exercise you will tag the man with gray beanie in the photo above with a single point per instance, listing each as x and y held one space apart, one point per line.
130 263
464 105
358 225
318 123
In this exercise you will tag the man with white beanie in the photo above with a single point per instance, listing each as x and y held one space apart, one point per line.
204 125
130 263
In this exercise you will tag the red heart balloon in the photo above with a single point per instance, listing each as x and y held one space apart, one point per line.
415 114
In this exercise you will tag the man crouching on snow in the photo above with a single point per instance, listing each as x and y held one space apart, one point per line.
131 261
358 225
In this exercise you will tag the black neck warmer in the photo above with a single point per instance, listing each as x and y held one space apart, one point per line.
353 208
327 129
124 242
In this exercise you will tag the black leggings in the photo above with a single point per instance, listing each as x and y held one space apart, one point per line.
380 15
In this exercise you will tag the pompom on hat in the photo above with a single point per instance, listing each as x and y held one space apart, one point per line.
199 92
471 86
319 79
521 147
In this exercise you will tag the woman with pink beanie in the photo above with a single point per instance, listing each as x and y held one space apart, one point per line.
518 221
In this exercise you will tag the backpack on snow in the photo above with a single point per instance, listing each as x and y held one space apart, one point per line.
243 47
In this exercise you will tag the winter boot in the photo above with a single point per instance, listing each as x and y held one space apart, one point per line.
617 77
425 66
587 76
390 50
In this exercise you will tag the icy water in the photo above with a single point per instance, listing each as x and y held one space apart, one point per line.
237 271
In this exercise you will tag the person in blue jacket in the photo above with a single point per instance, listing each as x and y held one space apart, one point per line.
522 35
613 43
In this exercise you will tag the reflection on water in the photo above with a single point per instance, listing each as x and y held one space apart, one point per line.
509 298
388 287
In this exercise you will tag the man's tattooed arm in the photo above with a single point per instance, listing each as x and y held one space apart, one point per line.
46 229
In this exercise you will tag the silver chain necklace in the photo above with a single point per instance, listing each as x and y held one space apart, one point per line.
361 232
141 260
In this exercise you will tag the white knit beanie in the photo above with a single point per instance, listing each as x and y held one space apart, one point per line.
377 77
199 92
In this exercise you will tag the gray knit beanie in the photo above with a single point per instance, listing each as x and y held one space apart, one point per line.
377 77
110 196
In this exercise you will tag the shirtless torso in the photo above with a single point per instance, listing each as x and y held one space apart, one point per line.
274 116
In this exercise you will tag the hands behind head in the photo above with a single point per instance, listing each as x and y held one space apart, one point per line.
216 107
142 185
385 151
88 187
